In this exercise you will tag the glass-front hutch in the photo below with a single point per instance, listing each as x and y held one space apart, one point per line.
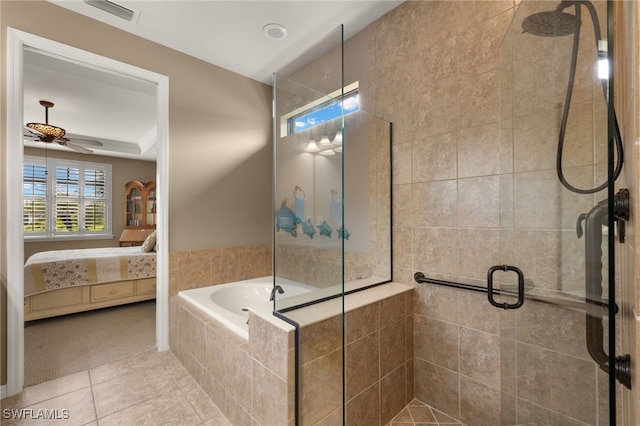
139 212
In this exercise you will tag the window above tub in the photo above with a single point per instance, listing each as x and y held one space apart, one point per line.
322 110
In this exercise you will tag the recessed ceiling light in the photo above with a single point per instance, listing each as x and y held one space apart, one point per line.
274 31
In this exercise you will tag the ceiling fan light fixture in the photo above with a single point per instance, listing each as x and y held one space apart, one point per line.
47 130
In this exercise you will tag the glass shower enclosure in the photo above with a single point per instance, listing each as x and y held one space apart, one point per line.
331 192
560 156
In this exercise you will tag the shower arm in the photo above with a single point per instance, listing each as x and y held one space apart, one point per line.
594 220
565 4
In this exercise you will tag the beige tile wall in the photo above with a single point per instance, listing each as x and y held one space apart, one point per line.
466 355
323 268
201 268
378 364
250 381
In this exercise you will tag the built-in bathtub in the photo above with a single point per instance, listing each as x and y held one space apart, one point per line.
229 303
255 383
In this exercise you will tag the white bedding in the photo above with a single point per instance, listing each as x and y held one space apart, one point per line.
55 255
51 270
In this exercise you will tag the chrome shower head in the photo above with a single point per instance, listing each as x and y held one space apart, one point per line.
554 23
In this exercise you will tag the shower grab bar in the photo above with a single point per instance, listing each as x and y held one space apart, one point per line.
419 277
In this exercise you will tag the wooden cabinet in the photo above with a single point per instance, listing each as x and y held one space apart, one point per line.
139 212
140 204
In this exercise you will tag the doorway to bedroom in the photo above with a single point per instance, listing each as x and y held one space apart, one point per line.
65 327
81 201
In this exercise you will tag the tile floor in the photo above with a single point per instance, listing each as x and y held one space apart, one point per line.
152 388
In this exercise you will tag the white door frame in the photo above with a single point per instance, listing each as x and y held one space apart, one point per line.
17 41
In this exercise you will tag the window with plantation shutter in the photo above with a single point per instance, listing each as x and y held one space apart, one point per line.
95 199
34 190
66 199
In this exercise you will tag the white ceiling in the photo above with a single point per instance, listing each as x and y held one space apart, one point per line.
228 34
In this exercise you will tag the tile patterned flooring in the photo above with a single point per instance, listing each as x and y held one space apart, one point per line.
420 414
152 388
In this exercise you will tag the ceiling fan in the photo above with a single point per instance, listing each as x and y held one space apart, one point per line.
45 132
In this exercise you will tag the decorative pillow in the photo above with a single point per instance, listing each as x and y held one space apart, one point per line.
149 242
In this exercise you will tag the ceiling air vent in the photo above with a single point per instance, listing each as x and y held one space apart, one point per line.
114 9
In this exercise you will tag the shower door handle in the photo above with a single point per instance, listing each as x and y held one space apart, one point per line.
490 291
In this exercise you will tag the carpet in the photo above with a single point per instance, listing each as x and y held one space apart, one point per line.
56 347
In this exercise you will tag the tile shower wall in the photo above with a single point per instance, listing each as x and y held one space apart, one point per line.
466 355
323 268
438 78
201 268
378 365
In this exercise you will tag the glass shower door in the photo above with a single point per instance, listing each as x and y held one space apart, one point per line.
555 216
308 255
332 189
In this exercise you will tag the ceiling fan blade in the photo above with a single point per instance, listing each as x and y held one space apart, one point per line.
28 135
80 141
77 148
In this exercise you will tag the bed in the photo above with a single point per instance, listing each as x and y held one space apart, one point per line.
61 282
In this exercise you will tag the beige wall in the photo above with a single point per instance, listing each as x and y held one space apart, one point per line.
219 132
123 170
